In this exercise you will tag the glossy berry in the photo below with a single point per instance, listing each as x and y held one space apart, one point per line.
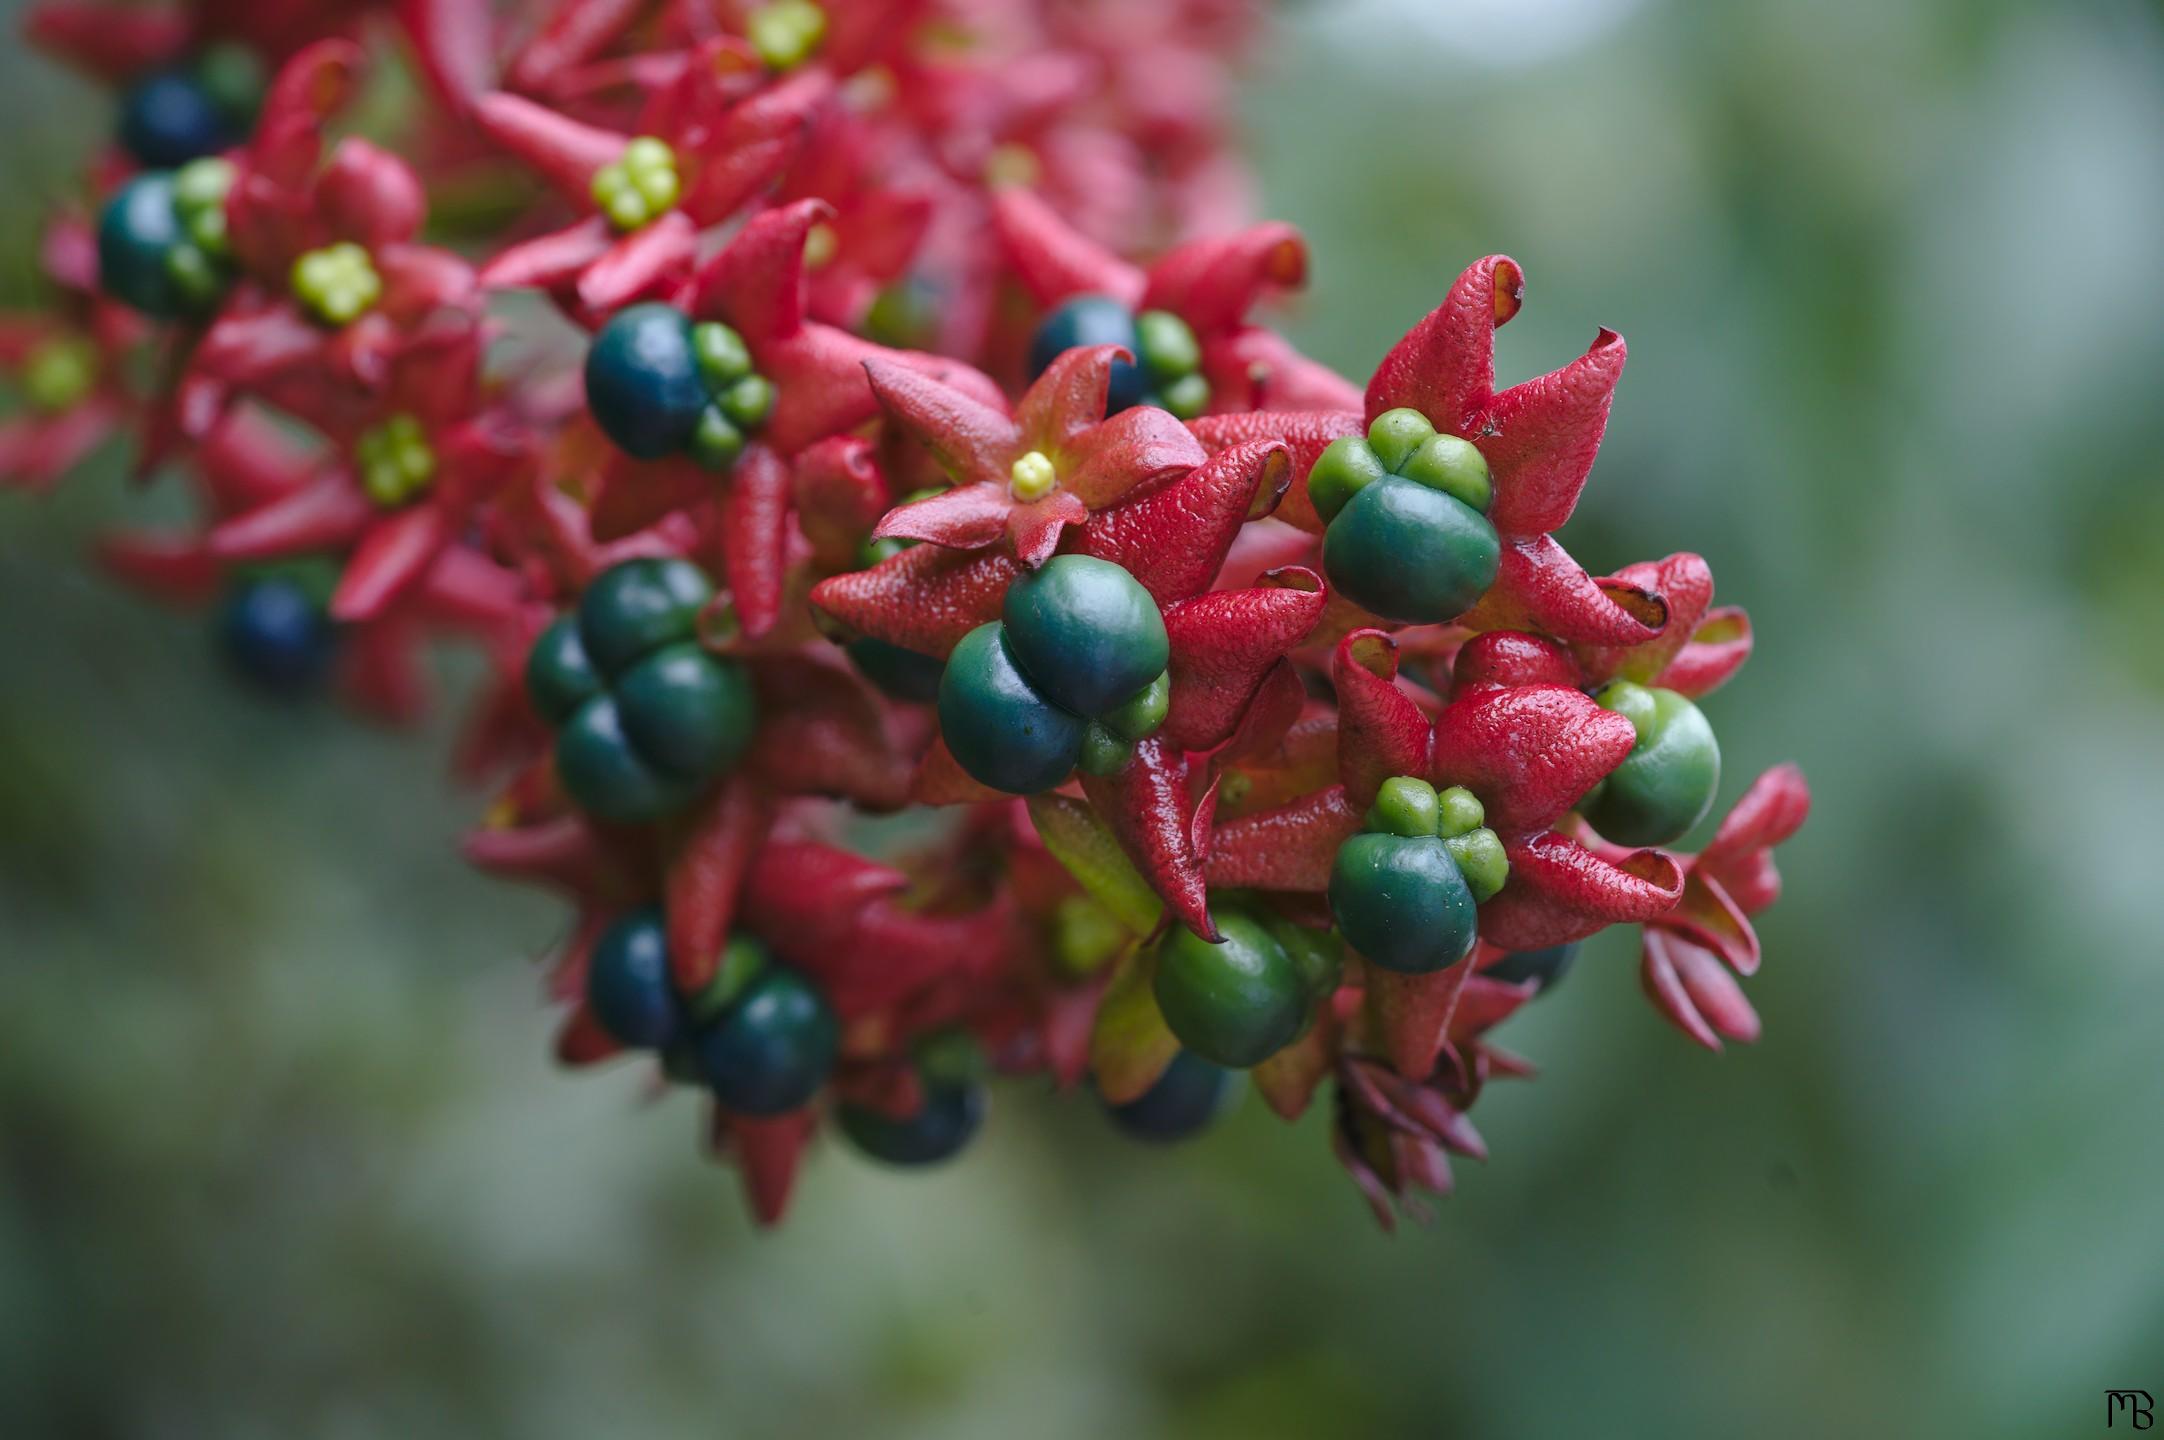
643 381
1667 783
628 989
169 118
1547 966
1186 1100
337 284
1086 633
1090 320
1237 1003
1405 805
946 1123
640 186
645 716
1410 553
786 33
772 1049
1402 904
1000 729
138 230
902 674
276 634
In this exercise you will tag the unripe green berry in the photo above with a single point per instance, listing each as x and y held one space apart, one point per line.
1103 753
1167 347
59 373
1454 466
1405 805
1396 434
1140 715
1340 472
1480 859
723 356
743 960
749 401
1186 397
786 32
717 442
1634 703
1461 811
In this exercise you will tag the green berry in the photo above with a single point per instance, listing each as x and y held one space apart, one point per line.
1403 904
1396 434
717 442
1344 469
687 712
1167 347
559 677
1186 397
1086 633
1667 783
59 373
749 401
743 960
1454 466
337 284
723 356
640 606
1103 753
1459 812
1001 731
1480 859
1410 554
1405 805
1139 716
1237 1003
785 33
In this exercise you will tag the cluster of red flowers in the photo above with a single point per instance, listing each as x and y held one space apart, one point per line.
853 463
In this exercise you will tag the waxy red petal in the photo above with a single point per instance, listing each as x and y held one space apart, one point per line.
1540 438
973 442
1305 434
1413 1013
1148 806
924 599
1691 987
328 514
1133 449
1225 644
113 43
1539 587
1445 365
391 558
1560 891
563 151
1068 399
1529 753
1054 260
1715 651
1774 808
1035 529
754 537
968 517
1291 847
1381 731
640 264
1205 509
1504 658
705 876
767 1150
1212 283
549 260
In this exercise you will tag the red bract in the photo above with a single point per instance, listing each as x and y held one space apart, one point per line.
826 183
1211 284
1539 439
290 198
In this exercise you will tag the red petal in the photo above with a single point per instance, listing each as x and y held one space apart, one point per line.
924 599
563 151
1053 260
326 515
1255 369
1539 587
824 736
456 45
1127 452
704 877
1413 1013
562 854
1445 365
393 556
580 1040
630 495
1305 433
972 441
639 264
177 567
1684 586
1211 284
549 260
1560 891
1504 658
1068 399
767 1149
1529 754
1715 651
1225 644
1150 811
1381 732
1205 509
969 517
1773 809
839 494
754 145
1289 848
1707 916
756 282
941 780
1540 438
1696 993
1035 528
754 537
575 30
115 44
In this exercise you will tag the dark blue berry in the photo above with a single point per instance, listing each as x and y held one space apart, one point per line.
1182 1104
1090 320
947 1121
628 989
275 634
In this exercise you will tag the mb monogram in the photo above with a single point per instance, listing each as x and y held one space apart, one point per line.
2134 1404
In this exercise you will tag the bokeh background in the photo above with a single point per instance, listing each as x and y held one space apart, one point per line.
281 1152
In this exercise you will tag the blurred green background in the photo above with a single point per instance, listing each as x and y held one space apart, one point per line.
281 1152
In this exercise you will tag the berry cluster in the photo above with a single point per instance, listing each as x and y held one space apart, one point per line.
1264 731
